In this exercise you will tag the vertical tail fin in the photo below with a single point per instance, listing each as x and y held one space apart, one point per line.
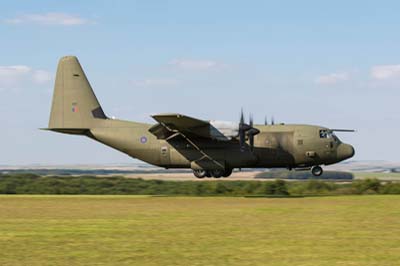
75 105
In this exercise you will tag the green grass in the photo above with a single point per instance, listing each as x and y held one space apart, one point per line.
135 230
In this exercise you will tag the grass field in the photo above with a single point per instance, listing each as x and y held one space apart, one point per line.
132 230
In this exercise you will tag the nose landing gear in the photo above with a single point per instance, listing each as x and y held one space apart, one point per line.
317 170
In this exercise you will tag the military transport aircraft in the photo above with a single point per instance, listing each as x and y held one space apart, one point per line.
209 148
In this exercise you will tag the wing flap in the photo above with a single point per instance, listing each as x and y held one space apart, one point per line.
179 123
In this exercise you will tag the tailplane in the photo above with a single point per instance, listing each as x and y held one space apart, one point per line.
75 107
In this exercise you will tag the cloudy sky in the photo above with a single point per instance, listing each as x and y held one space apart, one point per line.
335 64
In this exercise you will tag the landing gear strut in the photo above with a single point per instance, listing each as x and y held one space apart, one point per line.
317 170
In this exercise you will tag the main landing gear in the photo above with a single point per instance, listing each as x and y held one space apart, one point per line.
317 170
212 173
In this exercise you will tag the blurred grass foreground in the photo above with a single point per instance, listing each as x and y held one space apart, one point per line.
144 230
117 185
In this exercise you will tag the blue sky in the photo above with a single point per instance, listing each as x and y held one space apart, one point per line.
334 64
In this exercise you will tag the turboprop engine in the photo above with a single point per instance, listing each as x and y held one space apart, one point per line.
226 131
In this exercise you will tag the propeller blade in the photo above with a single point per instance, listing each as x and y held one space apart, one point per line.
242 131
272 121
241 117
249 133
242 139
265 121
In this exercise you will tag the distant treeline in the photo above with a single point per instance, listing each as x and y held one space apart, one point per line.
116 185
334 175
73 171
272 174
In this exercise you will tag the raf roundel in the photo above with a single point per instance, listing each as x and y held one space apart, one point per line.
143 139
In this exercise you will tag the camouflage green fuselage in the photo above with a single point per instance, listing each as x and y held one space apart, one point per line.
275 146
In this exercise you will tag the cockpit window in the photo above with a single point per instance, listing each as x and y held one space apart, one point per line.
323 134
336 139
327 134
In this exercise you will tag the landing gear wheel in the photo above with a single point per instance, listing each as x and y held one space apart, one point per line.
317 170
199 173
208 173
217 173
227 172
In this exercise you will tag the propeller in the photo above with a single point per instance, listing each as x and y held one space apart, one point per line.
265 121
243 127
251 133
272 121
246 130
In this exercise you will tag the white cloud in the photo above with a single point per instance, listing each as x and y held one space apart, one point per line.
12 71
19 75
155 82
49 19
332 78
385 72
11 75
41 76
189 64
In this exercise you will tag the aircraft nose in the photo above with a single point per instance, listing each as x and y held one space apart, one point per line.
345 151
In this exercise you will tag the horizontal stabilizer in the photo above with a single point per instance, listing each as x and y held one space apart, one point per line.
73 131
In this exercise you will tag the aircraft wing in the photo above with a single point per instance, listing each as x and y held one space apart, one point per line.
170 124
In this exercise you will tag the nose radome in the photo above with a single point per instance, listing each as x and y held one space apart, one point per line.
345 151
